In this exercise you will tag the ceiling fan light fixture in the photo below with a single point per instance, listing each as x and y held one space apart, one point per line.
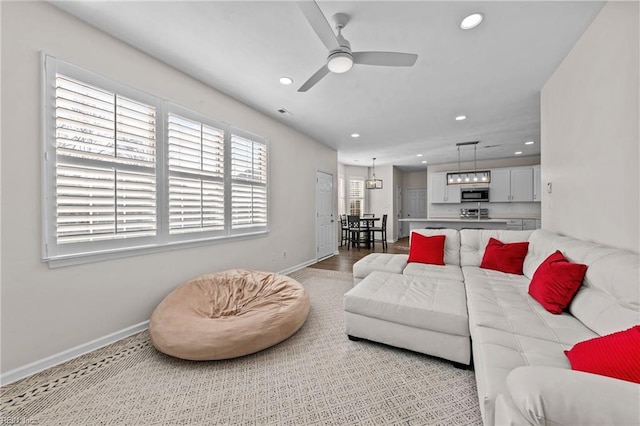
471 21
340 62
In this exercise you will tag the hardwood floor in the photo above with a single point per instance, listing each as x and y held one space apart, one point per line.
346 258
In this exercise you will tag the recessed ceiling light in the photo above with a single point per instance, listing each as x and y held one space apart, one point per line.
419 155
424 161
518 152
286 81
529 143
461 117
471 21
355 135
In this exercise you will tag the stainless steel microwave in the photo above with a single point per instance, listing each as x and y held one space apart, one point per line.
474 194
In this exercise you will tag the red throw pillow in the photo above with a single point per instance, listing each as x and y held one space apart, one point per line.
427 249
556 281
503 257
615 355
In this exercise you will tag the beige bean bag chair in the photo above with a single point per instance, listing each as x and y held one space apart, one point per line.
228 314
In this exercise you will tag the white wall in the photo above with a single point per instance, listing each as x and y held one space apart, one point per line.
381 200
46 311
589 112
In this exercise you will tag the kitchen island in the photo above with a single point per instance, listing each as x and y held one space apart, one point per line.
455 223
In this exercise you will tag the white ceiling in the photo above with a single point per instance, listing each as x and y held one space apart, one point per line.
493 73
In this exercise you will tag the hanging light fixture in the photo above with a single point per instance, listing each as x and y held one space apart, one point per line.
373 183
468 177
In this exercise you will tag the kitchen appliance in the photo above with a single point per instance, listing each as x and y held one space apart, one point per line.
474 194
473 214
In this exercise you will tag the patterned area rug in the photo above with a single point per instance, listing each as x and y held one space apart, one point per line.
316 377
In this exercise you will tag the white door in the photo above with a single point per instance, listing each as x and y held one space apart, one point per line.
417 203
325 233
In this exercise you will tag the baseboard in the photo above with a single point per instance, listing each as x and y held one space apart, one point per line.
69 354
298 267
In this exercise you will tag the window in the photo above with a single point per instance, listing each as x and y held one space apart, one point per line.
248 183
356 196
196 176
342 199
126 170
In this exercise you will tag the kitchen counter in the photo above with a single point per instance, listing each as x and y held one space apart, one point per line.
454 223
453 219
458 223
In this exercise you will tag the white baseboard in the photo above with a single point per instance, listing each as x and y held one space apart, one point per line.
69 354
298 267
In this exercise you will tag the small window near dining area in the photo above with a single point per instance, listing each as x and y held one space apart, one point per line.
356 197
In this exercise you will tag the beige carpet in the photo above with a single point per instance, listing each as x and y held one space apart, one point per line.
316 377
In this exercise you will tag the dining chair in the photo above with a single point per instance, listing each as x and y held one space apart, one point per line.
356 231
382 229
344 230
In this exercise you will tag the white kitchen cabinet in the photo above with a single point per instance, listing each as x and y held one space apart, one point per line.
513 184
515 224
529 224
441 193
500 186
537 184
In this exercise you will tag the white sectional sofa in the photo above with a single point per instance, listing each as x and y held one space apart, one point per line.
522 373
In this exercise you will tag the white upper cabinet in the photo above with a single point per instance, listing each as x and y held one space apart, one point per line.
522 184
511 185
500 186
441 193
537 184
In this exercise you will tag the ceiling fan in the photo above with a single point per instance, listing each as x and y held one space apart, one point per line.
341 58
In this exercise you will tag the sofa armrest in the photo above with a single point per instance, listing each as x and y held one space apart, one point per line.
546 395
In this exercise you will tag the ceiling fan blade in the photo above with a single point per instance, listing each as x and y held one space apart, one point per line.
390 59
319 24
314 79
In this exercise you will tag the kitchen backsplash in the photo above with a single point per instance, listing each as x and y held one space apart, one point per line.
496 210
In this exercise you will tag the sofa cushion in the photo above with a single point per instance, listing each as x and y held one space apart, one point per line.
615 355
448 272
473 243
504 257
500 301
496 353
609 299
427 303
451 243
429 250
555 396
385 262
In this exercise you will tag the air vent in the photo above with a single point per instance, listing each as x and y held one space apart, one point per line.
489 146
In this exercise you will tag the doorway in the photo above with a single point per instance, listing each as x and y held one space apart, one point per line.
325 230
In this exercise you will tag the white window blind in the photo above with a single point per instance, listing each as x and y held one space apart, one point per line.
105 164
125 170
356 196
196 176
248 183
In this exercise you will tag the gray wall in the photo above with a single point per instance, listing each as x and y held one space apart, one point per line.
47 311
589 112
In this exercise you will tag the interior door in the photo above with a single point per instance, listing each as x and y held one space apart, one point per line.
325 231
416 203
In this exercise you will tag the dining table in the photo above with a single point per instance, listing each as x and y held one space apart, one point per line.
367 222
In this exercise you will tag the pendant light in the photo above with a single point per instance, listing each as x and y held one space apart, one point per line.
373 183
468 177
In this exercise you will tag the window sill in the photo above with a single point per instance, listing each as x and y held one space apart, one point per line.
82 258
